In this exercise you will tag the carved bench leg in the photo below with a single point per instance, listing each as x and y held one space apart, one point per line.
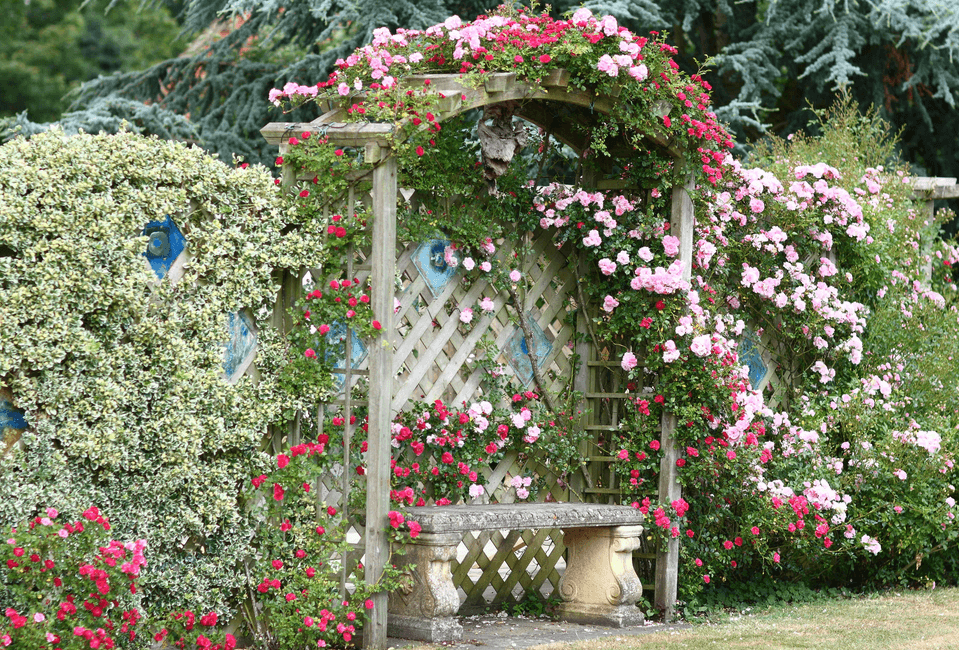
424 608
600 586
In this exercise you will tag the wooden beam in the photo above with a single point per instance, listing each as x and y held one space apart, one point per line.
934 188
581 385
383 262
928 190
682 225
347 134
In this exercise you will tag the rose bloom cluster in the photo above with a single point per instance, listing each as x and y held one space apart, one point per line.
508 40
439 452
294 570
350 304
803 499
88 589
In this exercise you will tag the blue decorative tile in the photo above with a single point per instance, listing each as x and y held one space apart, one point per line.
240 345
430 260
750 355
336 350
10 416
165 245
517 350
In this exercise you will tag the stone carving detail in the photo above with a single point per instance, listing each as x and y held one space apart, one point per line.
517 350
430 259
424 607
750 355
165 245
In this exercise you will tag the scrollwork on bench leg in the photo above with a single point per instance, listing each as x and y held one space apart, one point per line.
424 608
600 586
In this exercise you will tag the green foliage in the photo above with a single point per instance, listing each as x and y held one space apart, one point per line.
48 47
533 605
741 597
121 375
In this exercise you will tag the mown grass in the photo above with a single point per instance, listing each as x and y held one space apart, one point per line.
907 620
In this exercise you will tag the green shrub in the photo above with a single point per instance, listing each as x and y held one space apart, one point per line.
121 375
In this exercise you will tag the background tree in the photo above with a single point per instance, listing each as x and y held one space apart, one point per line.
48 47
773 61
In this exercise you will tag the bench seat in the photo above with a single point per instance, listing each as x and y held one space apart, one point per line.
599 587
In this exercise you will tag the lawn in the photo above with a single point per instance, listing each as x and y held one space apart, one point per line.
911 620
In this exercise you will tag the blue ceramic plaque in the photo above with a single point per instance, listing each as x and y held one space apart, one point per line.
429 258
10 416
240 344
517 350
751 356
165 245
336 350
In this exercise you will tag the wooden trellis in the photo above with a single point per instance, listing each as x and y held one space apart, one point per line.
425 351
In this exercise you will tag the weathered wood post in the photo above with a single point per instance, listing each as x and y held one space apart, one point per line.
383 269
682 225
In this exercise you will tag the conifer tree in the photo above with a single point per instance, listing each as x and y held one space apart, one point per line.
772 61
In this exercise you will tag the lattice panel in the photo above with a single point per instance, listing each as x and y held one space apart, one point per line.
605 401
433 349
502 567
433 361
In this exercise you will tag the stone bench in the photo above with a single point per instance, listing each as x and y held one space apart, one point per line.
599 587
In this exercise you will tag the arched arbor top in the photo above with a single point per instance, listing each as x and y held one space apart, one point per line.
552 104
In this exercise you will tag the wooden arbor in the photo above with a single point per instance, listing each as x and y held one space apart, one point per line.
557 108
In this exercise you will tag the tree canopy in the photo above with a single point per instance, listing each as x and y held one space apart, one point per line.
772 62
49 47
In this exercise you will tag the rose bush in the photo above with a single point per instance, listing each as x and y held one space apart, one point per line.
67 584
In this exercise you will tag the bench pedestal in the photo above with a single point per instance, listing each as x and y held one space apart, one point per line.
600 586
423 609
